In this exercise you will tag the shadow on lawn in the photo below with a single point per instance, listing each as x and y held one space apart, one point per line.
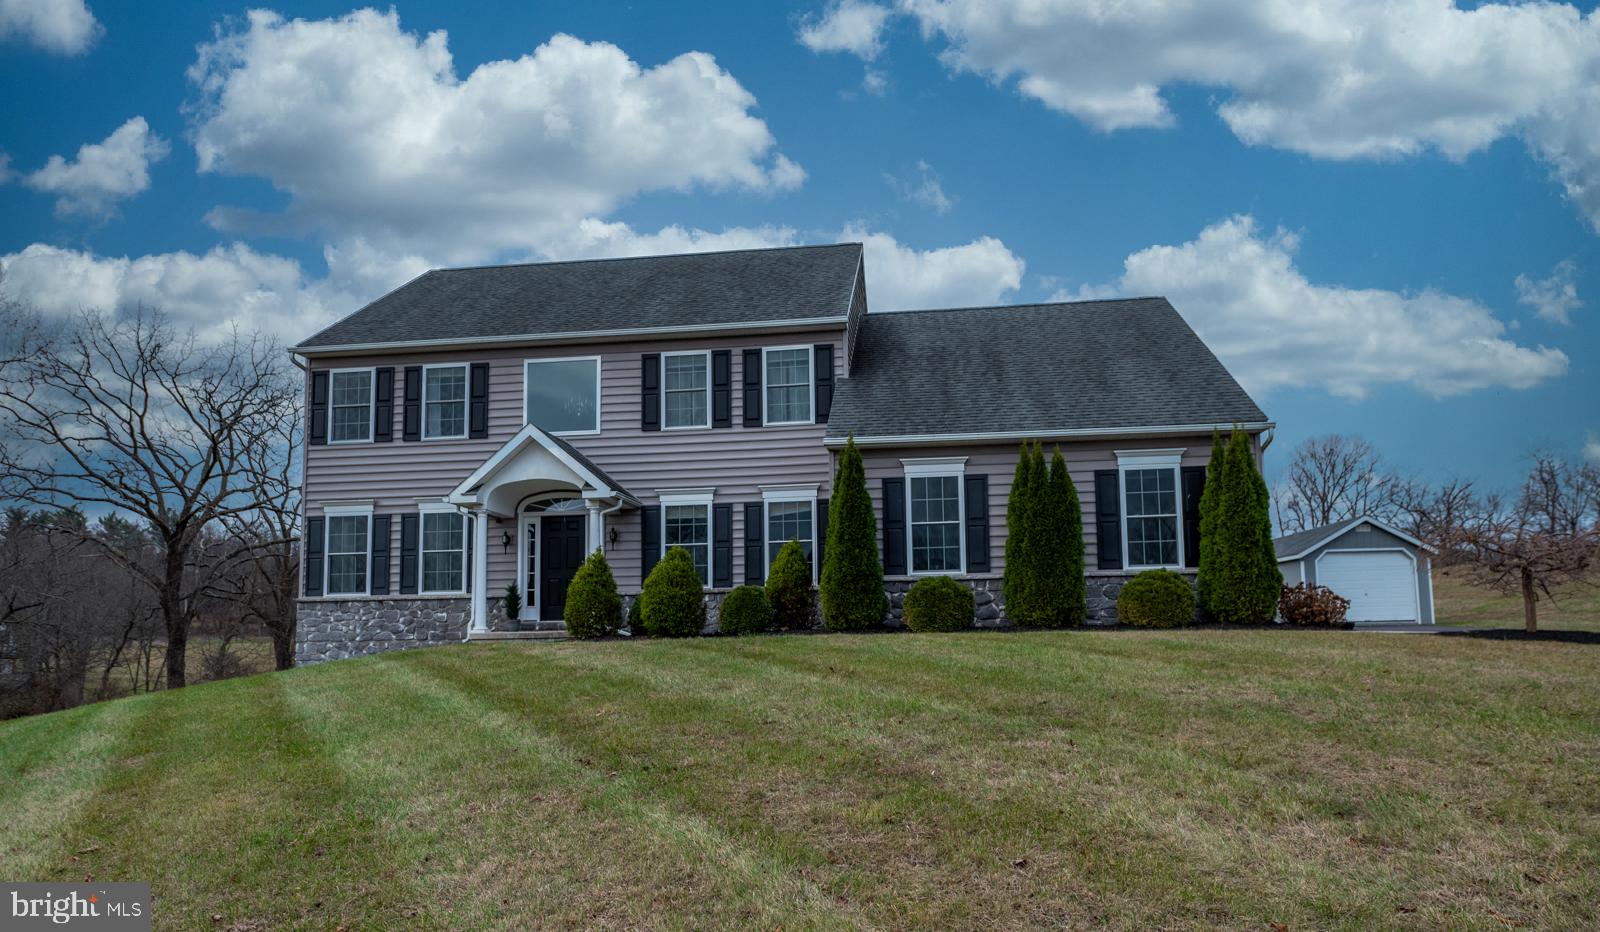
1518 634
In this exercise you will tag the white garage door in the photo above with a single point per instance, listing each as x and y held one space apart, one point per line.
1381 586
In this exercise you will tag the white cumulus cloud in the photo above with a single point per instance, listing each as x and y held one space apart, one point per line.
900 277
102 173
1553 297
1273 328
371 132
65 27
846 26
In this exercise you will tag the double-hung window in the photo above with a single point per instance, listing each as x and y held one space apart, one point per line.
444 402
348 547
934 512
685 389
788 384
444 551
562 396
791 514
349 405
686 523
1152 531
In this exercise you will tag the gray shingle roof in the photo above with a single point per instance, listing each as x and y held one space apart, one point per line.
731 288
588 464
1084 365
1290 545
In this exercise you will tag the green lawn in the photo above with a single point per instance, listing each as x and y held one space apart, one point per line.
1196 779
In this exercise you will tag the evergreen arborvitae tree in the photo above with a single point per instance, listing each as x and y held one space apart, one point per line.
1039 553
1015 584
1245 582
1210 496
852 572
1067 570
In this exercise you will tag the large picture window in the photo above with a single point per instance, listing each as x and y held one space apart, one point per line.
562 396
444 402
347 548
444 552
349 405
1151 497
685 383
788 385
689 526
790 520
935 523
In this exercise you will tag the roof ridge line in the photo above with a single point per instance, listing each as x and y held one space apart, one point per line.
1007 307
664 255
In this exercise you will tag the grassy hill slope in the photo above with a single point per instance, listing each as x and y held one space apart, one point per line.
1079 778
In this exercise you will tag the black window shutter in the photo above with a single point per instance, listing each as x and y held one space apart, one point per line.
411 418
650 539
754 534
317 433
722 546
722 388
752 388
313 544
1108 519
1194 484
650 392
408 554
822 534
977 507
466 538
894 527
383 405
380 555
823 372
478 401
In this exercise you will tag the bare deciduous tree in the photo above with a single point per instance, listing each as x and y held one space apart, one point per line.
124 414
1332 478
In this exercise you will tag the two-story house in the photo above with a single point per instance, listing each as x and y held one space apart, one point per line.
481 427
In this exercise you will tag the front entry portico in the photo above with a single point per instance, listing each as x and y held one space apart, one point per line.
558 502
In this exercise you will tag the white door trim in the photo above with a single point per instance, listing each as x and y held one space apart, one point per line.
530 593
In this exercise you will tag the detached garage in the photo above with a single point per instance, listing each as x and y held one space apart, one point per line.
1385 573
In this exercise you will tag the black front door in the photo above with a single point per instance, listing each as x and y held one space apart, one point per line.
560 555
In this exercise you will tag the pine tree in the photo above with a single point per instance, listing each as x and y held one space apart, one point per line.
1209 505
1067 570
1245 581
1014 585
852 572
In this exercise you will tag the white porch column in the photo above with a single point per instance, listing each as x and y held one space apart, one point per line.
480 571
597 527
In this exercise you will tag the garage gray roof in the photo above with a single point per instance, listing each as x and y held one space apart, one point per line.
752 286
1116 365
1293 545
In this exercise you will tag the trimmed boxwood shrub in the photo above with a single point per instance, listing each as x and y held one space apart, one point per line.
674 600
789 590
1156 599
594 609
1310 605
745 610
938 603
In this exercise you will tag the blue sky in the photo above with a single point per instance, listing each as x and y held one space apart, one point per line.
1353 255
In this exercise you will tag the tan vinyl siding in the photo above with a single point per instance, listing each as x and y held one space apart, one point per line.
999 463
735 461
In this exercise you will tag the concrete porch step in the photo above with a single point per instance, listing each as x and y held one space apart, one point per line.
556 635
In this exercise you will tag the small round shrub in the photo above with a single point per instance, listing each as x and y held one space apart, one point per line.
789 589
1156 599
938 603
635 620
1312 606
745 610
594 609
674 600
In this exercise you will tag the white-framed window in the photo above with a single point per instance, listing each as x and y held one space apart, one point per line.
686 523
444 550
562 395
347 548
685 390
350 405
935 515
790 513
1152 516
444 401
787 384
